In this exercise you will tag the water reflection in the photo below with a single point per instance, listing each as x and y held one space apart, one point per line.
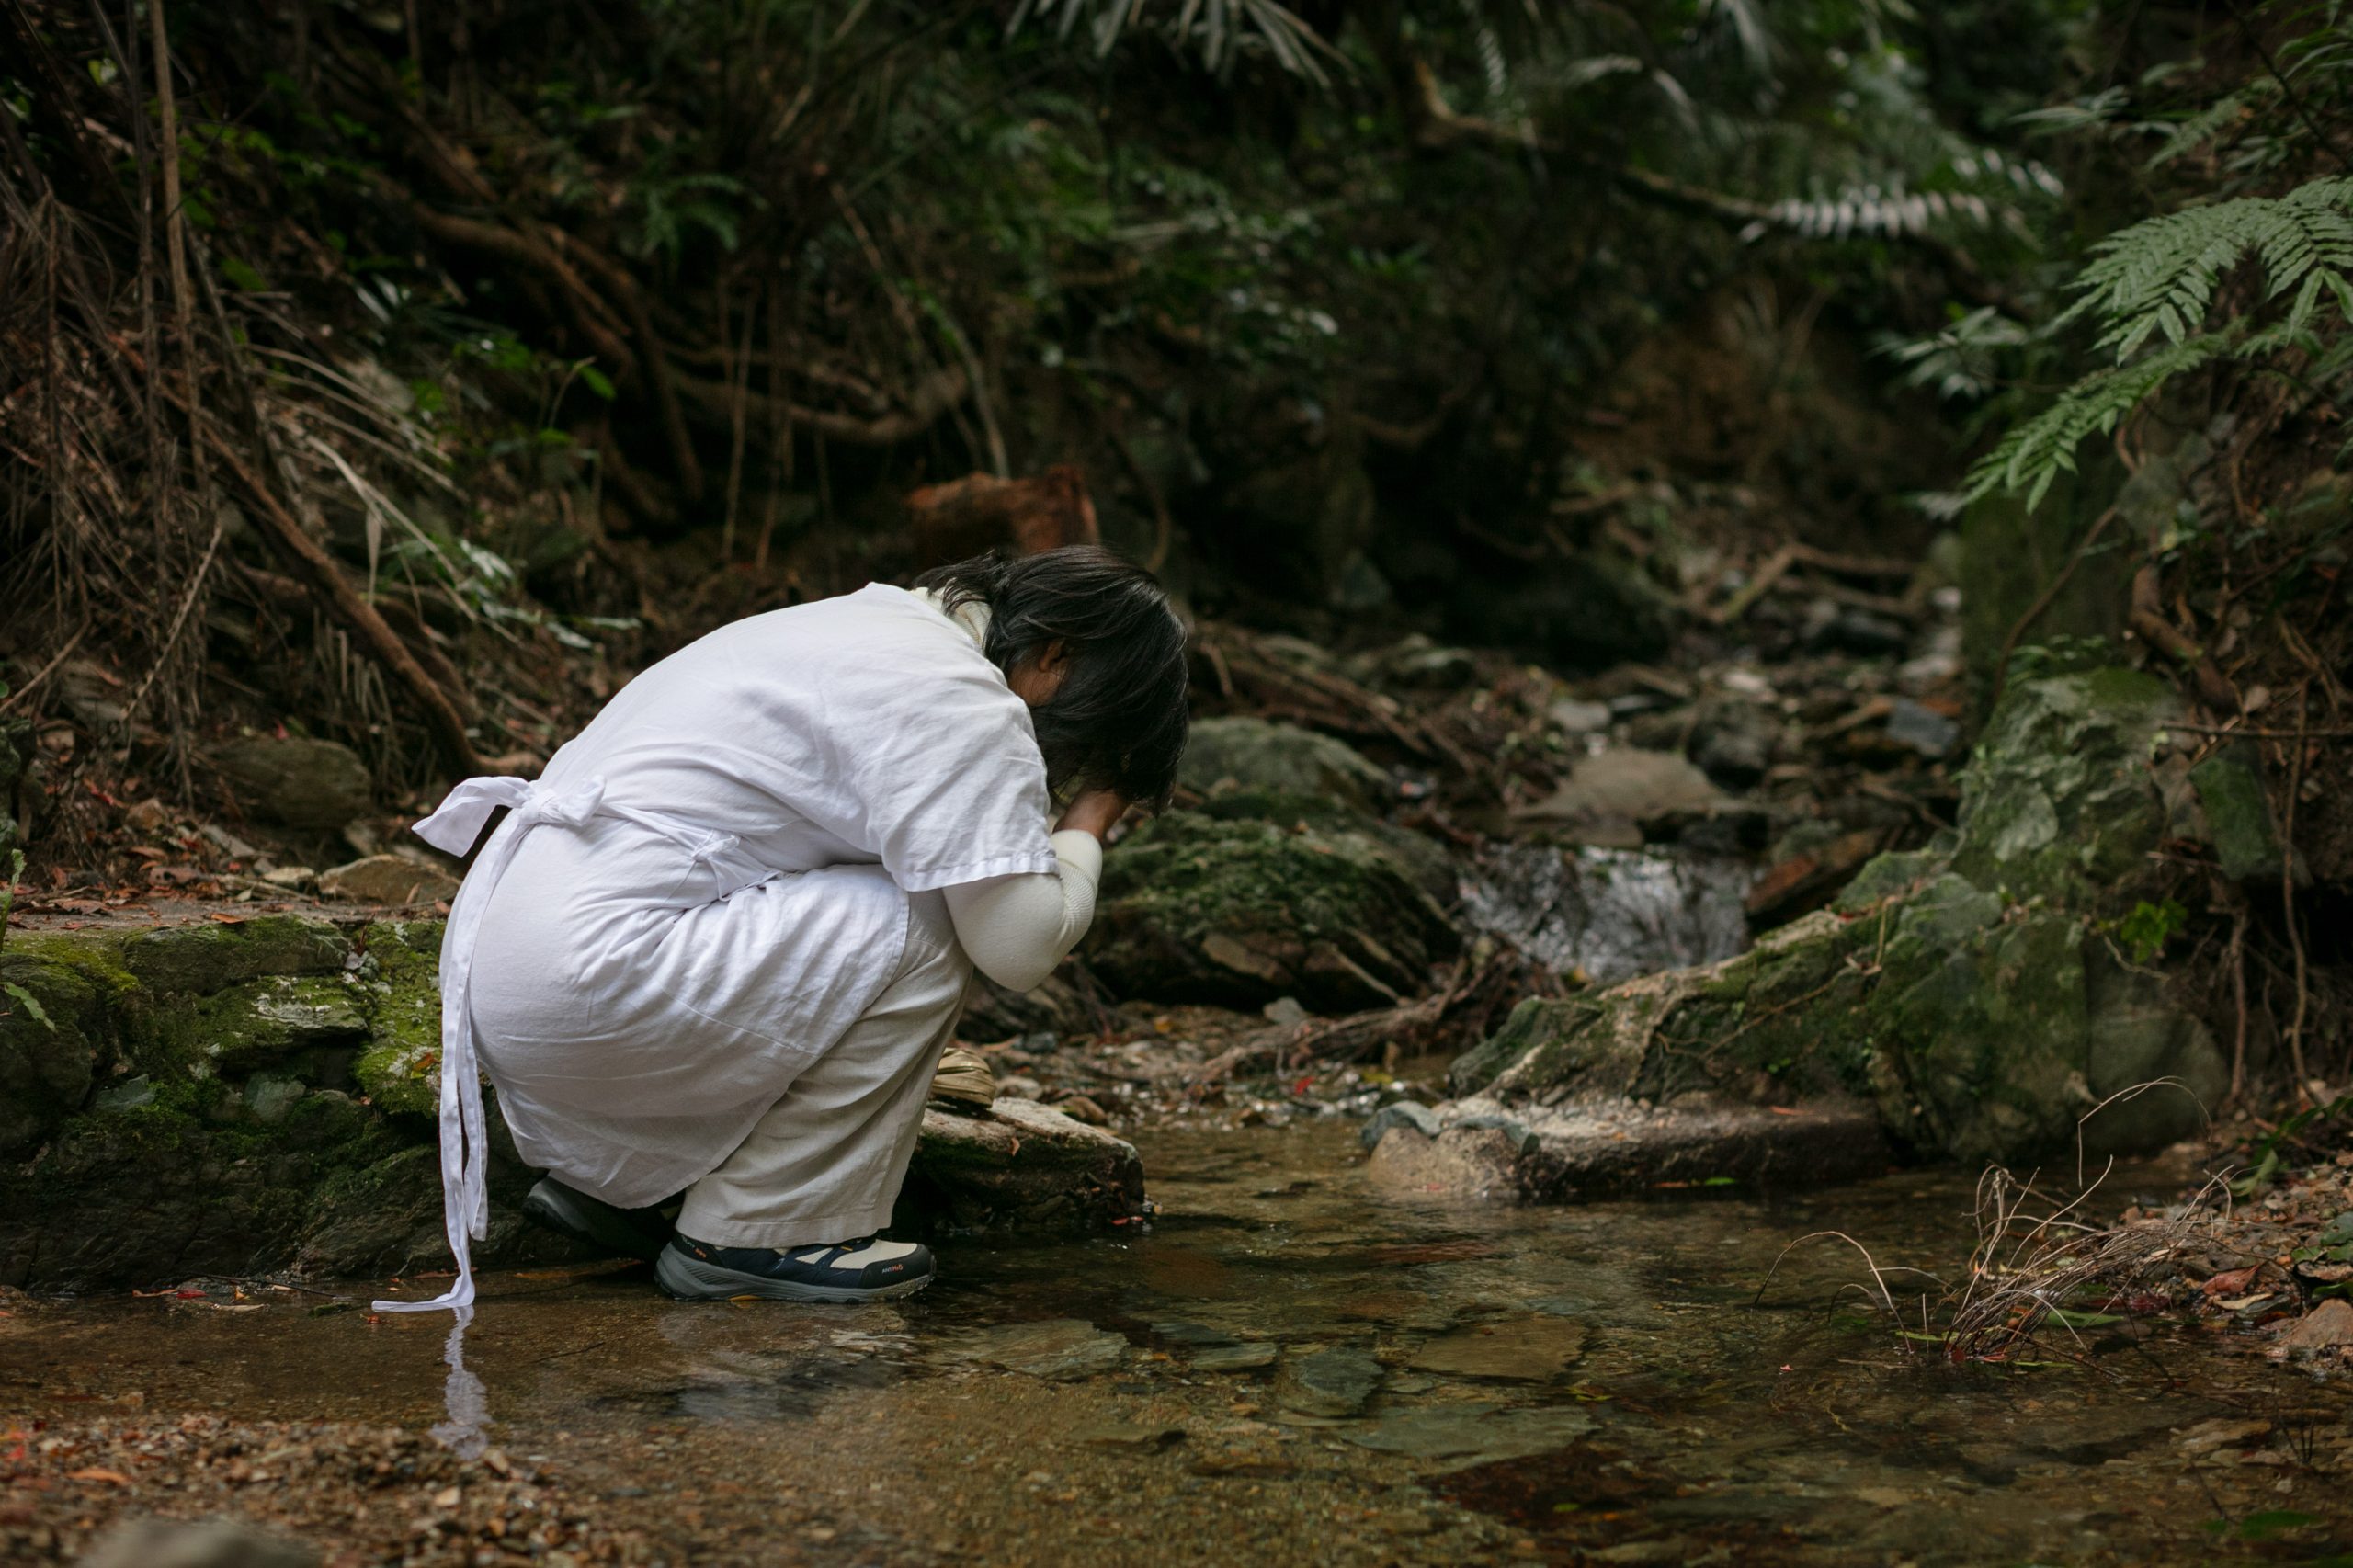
466 1429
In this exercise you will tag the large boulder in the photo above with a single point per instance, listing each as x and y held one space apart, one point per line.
313 785
1969 995
1257 754
1240 911
258 1096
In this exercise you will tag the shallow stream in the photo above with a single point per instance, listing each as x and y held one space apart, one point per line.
1291 1367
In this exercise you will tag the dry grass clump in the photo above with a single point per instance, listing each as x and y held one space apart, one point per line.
2036 1265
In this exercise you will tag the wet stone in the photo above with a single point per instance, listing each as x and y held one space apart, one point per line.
1405 1113
1473 1433
1246 1356
1058 1349
1335 1382
1535 1349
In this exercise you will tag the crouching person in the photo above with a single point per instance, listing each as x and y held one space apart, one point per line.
717 949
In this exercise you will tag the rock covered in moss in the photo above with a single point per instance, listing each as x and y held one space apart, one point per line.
203 957
1194 908
1257 754
2058 800
1969 995
400 987
1420 856
2239 821
258 1022
52 1050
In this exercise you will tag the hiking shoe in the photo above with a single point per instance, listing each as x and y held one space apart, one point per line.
631 1233
861 1270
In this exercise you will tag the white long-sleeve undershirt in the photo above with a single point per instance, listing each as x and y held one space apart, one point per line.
1016 928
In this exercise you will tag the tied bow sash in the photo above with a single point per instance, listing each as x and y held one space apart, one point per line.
453 829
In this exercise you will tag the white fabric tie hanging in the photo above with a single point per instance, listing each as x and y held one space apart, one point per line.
453 829
465 1197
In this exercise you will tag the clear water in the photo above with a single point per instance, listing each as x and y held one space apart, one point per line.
1589 1384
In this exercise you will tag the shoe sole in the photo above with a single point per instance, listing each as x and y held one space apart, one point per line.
691 1279
559 1210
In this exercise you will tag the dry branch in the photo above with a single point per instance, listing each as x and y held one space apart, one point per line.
309 559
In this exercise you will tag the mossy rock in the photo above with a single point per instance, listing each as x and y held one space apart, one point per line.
161 1191
184 1110
1257 754
1432 868
1198 909
53 1048
2012 555
399 990
200 959
1967 991
2239 823
2059 802
253 1024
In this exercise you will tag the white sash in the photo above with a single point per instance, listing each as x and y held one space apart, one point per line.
465 1200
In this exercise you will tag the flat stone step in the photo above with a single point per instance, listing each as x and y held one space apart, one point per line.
1605 1148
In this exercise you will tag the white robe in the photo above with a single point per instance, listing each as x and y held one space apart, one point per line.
707 887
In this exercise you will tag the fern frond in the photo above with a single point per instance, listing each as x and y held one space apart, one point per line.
2159 275
2203 127
2039 451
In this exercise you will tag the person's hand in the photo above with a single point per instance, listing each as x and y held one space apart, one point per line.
1093 811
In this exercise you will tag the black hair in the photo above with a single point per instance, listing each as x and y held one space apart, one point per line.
1118 721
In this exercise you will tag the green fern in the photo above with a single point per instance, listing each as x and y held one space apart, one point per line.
2158 279
2039 451
2159 275
2211 123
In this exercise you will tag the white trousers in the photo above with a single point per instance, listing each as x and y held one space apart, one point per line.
826 1163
